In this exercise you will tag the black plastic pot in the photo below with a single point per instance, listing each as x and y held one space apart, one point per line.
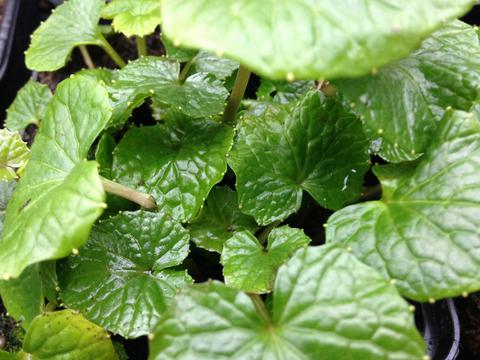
21 17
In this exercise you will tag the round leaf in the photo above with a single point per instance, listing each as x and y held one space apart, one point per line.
177 163
424 231
14 154
250 267
304 38
326 305
318 147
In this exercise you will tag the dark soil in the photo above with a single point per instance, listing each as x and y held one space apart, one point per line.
2 9
11 334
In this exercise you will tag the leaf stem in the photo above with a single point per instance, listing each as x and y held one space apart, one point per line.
236 97
144 200
141 46
105 45
184 73
263 237
86 57
260 306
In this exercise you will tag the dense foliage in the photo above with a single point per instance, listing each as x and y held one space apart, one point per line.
101 217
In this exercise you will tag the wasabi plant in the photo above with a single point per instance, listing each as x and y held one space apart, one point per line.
105 208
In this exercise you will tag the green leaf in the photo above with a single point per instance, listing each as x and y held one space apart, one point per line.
72 24
424 231
219 220
104 154
6 192
250 267
318 147
133 17
123 278
67 335
14 154
24 298
307 39
221 68
29 106
177 163
326 305
177 53
283 92
402 104
101 75
200 96
61 195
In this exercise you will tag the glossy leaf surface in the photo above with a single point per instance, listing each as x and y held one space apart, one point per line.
326 305
29 106
424 231
73 23
177 163
250 267
287 39
128 296
67 335
402 104
317 147
61 195
149 76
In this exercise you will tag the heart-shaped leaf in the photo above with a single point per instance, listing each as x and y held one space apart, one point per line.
326 305
219 219
73 23
250 267
133 17
177 163
402 104
424 231
317 147
127 296
29 106
304 38
199 96
67 335
14 154
61 195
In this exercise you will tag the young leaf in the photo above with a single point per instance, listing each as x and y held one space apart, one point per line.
123 278
24 298
200 96
402 104
73 23
307 39
60 196
424 231
318 147
250 267
67 335
14 154
133 17
326 305
283 92
177 163
29 106
219 220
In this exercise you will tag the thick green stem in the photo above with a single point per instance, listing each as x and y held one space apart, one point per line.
86 57
144 200
111 51
262 239
142 46
260 306
184 73
236 97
